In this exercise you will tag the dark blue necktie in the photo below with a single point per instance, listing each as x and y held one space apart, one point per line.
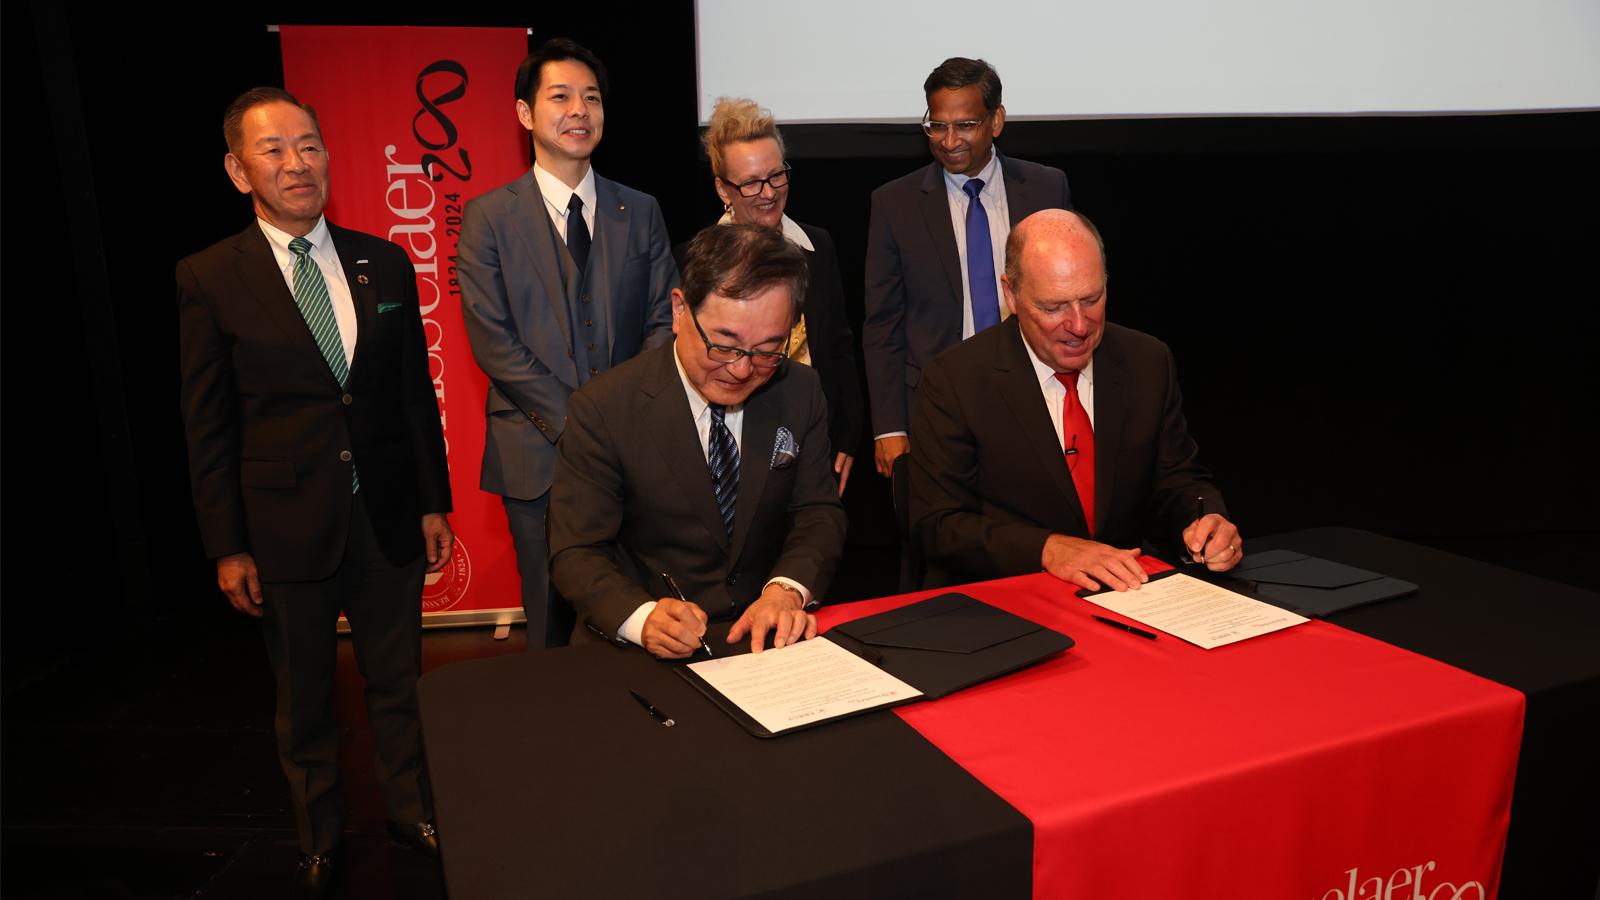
980 261
577 233
722 458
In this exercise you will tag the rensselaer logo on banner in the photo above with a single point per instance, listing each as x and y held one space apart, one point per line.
408 184
1376 887
412 198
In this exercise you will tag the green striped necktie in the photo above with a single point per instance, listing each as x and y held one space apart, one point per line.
311 295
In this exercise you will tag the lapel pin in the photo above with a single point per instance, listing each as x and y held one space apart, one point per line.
361 262
362 279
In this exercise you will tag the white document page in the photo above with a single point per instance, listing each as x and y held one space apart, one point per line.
802 683
1197 611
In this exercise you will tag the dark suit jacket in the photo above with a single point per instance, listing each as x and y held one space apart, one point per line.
913 298
989 481
515 277
272 436
632 497
833 344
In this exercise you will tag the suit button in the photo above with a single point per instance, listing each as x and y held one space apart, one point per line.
346 456
591 343
347 399
592 369
586 298
733 578
589 323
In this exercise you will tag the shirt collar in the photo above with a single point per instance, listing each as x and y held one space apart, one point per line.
558 195
957 183
1046 375
791 230
319 237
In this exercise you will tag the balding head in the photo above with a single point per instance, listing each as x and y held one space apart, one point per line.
1055 282
1058 232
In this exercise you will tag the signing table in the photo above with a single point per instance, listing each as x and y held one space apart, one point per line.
1312 762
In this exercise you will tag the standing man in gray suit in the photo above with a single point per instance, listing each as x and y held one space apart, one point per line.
934 256
563 275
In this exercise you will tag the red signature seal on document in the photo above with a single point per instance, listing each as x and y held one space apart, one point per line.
443 589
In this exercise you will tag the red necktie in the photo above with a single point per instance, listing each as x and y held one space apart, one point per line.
1078 436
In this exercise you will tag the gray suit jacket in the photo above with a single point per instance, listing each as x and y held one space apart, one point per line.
913 297
517 280
633 497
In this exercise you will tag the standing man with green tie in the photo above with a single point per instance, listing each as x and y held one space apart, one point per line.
317 463
564 274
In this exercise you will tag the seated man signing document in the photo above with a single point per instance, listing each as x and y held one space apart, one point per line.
706 460
1056 440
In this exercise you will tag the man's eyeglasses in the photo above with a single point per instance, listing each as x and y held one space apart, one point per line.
752 188
938 129
727 356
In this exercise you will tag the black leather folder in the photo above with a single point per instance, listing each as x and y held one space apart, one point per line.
938 646
949 642
1315 587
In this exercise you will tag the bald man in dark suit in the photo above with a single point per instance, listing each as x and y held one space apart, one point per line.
1057 440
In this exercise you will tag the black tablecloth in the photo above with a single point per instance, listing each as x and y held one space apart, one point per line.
552 782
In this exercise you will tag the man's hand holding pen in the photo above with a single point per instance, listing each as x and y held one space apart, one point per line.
673 629
1212 540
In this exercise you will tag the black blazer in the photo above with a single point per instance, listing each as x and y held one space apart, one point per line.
833 344
913 299
272 436
632 497
988 479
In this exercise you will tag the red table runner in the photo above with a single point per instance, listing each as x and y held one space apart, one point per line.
1308 763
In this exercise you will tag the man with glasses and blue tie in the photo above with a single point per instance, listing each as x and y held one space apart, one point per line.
694 482
935 241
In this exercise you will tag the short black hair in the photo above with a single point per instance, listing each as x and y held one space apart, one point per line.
740 261
233 117
555 50
959 72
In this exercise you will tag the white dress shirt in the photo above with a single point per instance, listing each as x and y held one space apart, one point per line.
557 195
327 259
632 629
1054 392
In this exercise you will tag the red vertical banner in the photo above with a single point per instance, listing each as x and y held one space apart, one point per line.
417 121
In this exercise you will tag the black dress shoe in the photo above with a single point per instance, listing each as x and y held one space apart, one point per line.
318 876
420 836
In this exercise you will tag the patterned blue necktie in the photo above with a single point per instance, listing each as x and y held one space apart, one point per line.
980 261
311 295
722 458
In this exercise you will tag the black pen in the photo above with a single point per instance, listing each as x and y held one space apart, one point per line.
672 585
650 708
1148 635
